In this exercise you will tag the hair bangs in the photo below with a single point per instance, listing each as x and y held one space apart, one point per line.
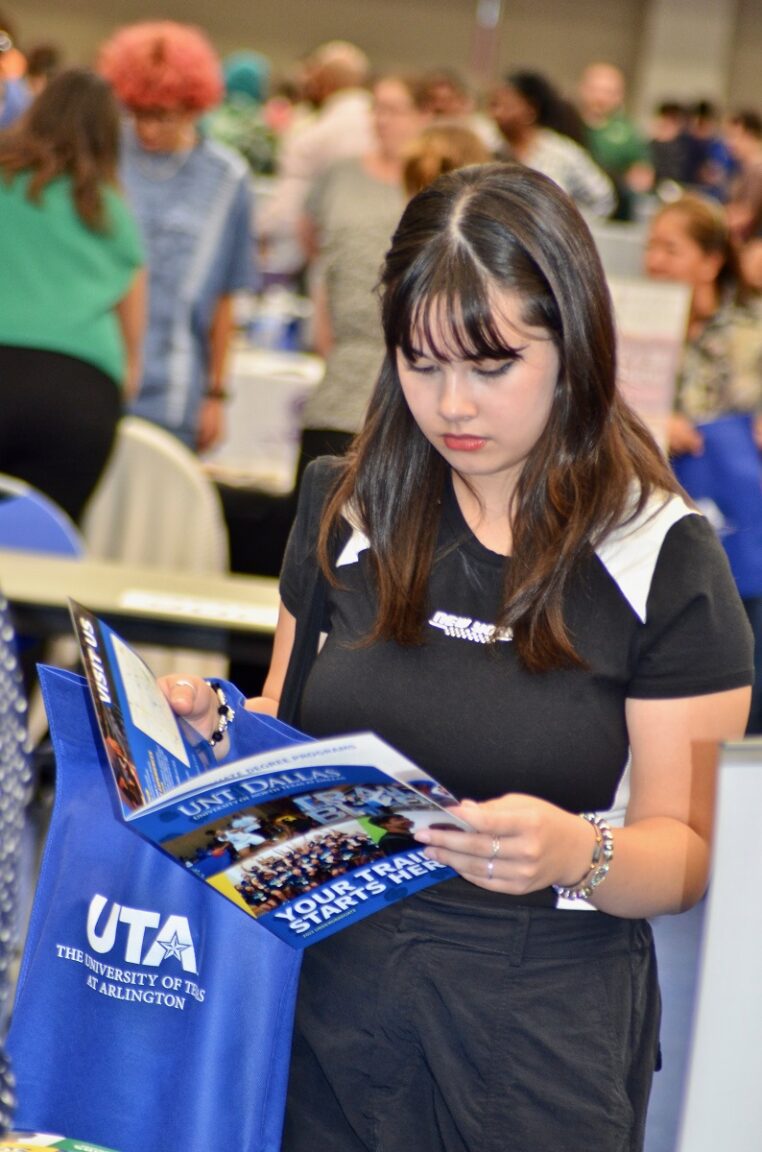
447 311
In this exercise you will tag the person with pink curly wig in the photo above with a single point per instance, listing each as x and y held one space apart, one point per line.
192 198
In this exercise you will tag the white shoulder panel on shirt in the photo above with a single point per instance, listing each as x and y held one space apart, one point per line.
358 542
350 553
630 553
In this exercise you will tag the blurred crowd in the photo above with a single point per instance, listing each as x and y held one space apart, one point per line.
170 197
242 181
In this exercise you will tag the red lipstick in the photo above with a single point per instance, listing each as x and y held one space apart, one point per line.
464 443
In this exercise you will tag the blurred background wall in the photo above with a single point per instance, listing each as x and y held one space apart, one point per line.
666 48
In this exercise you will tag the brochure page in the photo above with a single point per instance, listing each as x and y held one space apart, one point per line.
305 835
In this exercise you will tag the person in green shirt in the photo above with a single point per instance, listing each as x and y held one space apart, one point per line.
613 140
72 299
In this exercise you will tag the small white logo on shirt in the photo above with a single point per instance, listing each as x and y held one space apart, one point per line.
466 628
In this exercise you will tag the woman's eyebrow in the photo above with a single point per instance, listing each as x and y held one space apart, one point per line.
475 357
504 353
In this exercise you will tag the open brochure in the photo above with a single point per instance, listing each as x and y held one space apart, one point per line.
305 835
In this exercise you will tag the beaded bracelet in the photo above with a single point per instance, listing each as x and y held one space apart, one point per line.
603 854
224 711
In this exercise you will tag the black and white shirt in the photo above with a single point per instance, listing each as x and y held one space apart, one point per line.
654 614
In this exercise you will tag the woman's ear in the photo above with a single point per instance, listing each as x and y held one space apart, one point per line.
710 267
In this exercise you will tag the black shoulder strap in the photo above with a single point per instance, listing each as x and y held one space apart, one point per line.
310 619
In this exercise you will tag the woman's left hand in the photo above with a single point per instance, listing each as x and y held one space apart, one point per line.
756 429
519 844
211 423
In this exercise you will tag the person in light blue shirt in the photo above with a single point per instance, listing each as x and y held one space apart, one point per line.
193 201
14 98
14 92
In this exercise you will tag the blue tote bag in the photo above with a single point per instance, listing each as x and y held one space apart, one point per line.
728 475
151 1015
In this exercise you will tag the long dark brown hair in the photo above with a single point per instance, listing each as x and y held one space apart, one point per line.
551 108
470 233
71 129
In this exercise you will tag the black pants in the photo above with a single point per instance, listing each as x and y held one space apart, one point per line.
58 419
442 1026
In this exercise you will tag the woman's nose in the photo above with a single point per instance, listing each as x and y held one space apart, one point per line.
456 399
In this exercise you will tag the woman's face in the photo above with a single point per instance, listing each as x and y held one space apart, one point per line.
673 254
164 129
510 111
396 118
484 416
751 263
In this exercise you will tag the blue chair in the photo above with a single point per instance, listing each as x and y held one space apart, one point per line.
31 522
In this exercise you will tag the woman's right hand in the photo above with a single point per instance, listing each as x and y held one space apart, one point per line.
193 699
683 439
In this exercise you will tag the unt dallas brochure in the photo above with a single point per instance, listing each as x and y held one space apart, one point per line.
306 835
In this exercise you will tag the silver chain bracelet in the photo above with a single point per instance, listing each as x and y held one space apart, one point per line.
603 854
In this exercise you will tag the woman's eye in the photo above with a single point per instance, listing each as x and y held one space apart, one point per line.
493 371
422 369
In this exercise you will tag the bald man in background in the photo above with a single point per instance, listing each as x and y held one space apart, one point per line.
612 138
340 128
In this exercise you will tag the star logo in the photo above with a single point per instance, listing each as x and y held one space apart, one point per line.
173 947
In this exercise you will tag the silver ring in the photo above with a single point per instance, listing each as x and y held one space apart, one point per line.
183 684
490 867
495 847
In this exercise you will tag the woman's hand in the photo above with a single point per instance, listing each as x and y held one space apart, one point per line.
756 424
519 844
193 699
683 439
211 423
